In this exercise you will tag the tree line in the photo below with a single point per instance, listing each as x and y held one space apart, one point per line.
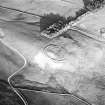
54 22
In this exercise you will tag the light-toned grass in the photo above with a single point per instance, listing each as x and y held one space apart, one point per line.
63 7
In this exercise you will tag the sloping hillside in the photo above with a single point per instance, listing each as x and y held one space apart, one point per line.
63 7
10 62
93 23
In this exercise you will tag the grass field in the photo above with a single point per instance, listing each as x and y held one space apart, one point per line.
10 62
63 7
82 74
93 23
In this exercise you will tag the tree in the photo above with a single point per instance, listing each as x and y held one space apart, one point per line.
49 19
51 23
81 12
93 4
70 18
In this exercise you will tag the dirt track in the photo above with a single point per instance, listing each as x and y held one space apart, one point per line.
10 61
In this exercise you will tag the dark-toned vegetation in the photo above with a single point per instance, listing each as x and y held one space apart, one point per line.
93 4
81 12
70 18
49 19
54 22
